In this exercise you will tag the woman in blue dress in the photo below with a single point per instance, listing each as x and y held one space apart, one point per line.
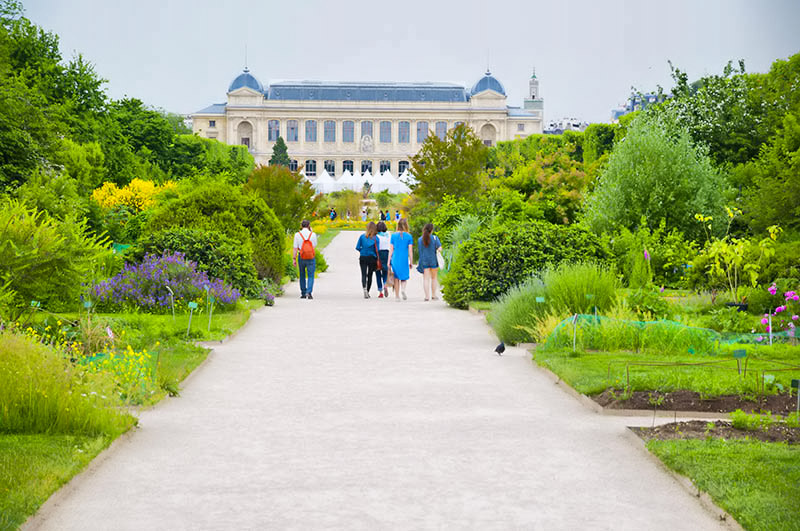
401 257
429 250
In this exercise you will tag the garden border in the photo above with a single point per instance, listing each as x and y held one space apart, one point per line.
687 484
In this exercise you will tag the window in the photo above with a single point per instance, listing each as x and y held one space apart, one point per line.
329 129
311 168
347 165
348 131
212 123
520 127
487 143
273 130
402 166
441 130
291 130
422 132
330 167
293 165
386 132
366 166
311 130
366 129
457 124
404 132
386 165
246 142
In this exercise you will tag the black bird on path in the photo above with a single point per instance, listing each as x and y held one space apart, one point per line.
500 348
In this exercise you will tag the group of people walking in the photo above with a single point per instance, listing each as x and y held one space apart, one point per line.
390 258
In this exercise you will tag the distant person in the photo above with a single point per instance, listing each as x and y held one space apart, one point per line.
383 216
367 248
333 213
401 256
384 243
429 250
397 215
364 214
305 245
348 214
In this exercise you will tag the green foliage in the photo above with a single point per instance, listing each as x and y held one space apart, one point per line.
218 255
657 173
55 193
598 139
496 258
647 303
580 287
468 225
190 155
242 217
453 166
449 214
516 311
288 194
384 199
669 252
280 154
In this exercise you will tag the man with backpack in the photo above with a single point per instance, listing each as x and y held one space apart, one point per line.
305 243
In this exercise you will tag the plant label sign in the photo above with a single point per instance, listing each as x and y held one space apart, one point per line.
796 384
36 304
540 300
87 304
739 354
192 305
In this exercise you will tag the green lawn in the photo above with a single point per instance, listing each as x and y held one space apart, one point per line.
588 372
324 239
32 467
757 483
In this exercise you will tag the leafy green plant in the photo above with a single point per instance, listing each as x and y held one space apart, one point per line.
648 303
515 313
751 422
288 194
580 287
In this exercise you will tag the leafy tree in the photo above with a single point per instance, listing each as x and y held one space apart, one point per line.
280 154
453 166
597 140
190 154
290 196
656 173
148 133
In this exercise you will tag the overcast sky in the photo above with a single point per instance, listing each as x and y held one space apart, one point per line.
181 55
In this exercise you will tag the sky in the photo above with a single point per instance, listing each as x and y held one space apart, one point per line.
182 55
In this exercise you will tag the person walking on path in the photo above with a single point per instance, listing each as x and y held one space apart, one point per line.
401 257
367 247
429 250
305 244
384 243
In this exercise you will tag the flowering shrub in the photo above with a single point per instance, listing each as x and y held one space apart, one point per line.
785 316
131 370
144 285
138 195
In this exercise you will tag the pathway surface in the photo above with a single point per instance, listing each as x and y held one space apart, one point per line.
371 414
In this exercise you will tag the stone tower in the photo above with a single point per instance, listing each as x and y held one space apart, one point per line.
534 101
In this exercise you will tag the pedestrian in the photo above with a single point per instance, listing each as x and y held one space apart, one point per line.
429 250
401 257
367 247
384 243
397 215
348 214
332 214
305 244
363 213
383 216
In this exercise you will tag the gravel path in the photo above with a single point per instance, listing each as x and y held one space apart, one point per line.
370 414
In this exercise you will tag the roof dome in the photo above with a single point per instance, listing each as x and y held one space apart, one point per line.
488 82
245 79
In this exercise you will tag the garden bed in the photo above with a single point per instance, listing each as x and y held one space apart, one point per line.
699 429
684 400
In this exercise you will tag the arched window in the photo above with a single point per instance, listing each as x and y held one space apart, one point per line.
366 166
311 130
293 165
347 165
330 167
273 130
386 165
366 129
245 133
329 131
441 130
348 131
422 132
311 168
404 132
386 132
402 166
291 130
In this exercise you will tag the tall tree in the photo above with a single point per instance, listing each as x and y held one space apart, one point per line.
287 193
280 154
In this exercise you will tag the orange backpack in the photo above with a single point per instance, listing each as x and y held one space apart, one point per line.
307 248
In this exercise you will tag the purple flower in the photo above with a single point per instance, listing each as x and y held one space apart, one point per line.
794 318
764 321
773 289
646 255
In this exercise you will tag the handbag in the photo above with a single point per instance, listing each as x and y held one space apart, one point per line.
379 266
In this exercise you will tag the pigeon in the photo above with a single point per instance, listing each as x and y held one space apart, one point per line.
500 348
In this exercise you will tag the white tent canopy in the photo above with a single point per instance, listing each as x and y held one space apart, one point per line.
383 181
324 183
349 181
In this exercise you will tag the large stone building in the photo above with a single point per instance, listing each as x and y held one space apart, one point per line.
361 127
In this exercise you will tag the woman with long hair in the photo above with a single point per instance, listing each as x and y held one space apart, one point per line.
401 257
367 248
430 248
384 242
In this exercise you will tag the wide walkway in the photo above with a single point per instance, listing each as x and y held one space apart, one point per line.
371 414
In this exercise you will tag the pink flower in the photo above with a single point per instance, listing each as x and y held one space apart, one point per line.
764 321
773 289
646 255
759 338
794 317
779 309
767 330
796 298
789 295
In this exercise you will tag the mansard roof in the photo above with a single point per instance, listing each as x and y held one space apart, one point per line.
366 91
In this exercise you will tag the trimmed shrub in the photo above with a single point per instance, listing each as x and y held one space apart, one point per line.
516 312
496 258
214 253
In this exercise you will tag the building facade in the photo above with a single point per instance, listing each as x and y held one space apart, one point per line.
360 127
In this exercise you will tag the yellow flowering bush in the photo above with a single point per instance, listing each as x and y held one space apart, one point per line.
138 195
132 370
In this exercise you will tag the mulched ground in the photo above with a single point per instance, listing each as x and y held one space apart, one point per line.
700 429
692 401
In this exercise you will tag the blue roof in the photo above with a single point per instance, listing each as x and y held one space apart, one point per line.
488 82
245 79
216 108
360 91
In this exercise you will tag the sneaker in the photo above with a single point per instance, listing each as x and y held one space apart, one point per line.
303 296
309 297
385 292
380 294
366 293
404 296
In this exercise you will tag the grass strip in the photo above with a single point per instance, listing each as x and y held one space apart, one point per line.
756 482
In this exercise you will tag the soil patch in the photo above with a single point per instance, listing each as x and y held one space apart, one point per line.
782 404
699 429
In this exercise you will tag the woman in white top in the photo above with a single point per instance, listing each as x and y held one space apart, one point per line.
384 244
